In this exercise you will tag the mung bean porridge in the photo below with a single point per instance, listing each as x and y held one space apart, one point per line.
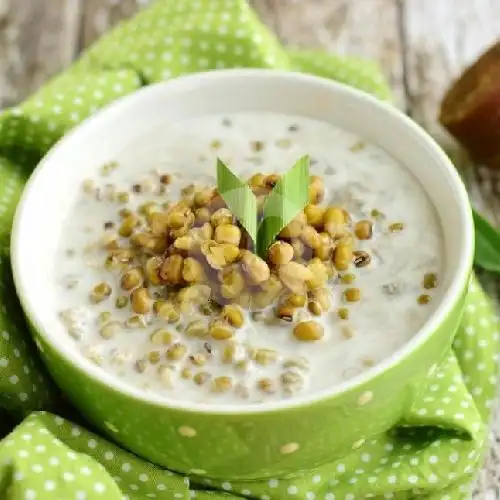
159 286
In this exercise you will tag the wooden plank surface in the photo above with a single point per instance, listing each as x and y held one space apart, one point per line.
36 42
420 44
99 16
364 28
266 11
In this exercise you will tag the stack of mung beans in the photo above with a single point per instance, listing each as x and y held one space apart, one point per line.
191 259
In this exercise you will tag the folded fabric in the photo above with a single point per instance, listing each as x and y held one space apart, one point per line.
51 454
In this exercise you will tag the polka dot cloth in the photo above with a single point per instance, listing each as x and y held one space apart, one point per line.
433 454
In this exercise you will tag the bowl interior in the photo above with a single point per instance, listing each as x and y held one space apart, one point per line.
52 189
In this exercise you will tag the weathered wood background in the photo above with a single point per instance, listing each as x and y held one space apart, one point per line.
420 44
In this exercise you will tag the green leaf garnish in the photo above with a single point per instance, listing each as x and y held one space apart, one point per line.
487 240
239 198
288 197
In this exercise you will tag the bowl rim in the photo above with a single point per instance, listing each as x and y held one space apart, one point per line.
459 280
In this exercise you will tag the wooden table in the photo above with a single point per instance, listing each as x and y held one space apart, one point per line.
420 44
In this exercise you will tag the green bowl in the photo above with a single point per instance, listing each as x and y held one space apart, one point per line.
253 441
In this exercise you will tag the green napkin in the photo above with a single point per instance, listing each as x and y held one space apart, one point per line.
434 455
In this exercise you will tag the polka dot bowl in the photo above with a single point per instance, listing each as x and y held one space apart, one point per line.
239 442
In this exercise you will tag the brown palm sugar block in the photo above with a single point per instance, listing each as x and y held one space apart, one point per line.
470 110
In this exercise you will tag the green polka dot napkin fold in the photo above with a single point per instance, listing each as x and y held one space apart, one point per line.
434 454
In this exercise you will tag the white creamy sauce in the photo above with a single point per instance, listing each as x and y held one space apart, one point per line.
358 179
